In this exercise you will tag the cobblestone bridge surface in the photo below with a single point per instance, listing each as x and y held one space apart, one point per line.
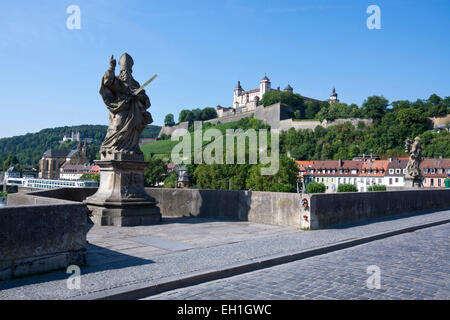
412 266
124 260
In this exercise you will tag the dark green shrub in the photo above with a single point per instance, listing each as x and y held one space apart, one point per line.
347 188
315 187
380 187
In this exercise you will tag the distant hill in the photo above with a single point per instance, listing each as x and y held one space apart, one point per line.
29 148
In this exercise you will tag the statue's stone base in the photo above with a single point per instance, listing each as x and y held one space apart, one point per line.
121 199
125 217
413 182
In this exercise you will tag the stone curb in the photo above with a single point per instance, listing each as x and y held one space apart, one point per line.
149 288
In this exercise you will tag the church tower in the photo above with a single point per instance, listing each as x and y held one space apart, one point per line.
264 86
333 97
84 149
237 93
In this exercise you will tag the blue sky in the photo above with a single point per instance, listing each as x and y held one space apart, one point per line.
51 75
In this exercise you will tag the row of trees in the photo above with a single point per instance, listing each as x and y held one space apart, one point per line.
191 115
246 176
384 137
28 148
374 107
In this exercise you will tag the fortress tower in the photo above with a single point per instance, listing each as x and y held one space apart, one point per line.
264 86
333 97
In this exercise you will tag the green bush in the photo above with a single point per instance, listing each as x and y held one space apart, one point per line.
315 187
347 188
171 180
380 187
91 176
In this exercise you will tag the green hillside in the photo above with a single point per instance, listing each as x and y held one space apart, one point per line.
163 148
159 149
28 149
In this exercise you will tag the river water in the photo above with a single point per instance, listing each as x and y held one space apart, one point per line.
2 203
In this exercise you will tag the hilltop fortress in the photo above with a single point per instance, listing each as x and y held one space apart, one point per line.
246 104
244 101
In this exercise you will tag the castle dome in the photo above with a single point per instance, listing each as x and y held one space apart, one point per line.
288 88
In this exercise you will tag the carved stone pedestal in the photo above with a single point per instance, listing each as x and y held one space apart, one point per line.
413 182
121 199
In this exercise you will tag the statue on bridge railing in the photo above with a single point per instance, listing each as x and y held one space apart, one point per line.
121 199
127 103
413 175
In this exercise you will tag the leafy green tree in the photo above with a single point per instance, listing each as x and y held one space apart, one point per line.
221 176
347 188
435 99
186 115
11 161
208 113
401 104
311 109
375 107
171 180
155 171
197 114
315 187
435 145
169 120
283 181
413 120
285 97
91 176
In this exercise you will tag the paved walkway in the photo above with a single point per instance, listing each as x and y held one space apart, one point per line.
126 259
412 266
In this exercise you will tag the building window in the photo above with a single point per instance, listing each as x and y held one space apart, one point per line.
391 171
425 170
390 180
396 180
432 182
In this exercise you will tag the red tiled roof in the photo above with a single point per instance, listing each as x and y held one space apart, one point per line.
377 168
435 163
